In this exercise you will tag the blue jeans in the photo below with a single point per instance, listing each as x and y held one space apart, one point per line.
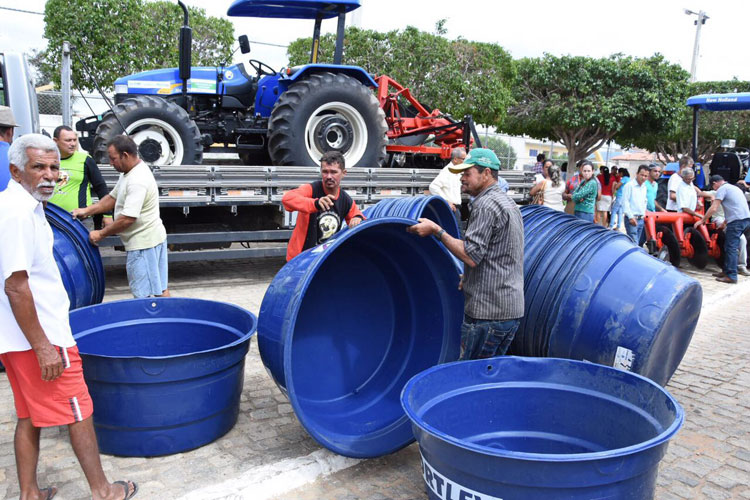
732 245
617 213
634 232
584 215
482 338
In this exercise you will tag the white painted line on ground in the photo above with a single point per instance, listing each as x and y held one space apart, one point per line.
267 481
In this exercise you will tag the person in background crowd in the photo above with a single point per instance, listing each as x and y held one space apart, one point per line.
80 173
539 165
322 206
737 219
36 344
634 202
675 181
687 199
492 251
652 189
616 218
584 195
604 205
7 124
553 189
135 201
446 184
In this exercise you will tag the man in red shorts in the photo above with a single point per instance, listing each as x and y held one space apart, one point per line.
36 344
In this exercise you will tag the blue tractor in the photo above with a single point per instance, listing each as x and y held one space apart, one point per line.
287 117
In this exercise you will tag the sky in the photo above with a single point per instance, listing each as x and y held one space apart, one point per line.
527 28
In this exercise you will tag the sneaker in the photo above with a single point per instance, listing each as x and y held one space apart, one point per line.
743 271
727 279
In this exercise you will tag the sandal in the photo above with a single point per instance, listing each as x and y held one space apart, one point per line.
126 488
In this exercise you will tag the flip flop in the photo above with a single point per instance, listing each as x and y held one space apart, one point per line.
51 492
125 487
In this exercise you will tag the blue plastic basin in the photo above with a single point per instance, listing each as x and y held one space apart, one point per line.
590 294
539 429
344 325
79 262
165 374
414 207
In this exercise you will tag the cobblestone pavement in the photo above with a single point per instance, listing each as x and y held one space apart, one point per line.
268 455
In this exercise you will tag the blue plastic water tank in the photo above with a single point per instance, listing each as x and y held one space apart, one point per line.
165 374
344 325
590 294
78 260
539 429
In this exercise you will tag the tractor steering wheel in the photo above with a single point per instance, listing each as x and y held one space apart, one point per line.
261 68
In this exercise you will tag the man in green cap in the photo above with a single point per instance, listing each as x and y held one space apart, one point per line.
492 253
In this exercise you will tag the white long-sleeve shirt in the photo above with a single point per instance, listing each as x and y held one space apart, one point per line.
447 185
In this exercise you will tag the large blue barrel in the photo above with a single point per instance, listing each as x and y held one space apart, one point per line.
590 294
344 325
539 429
414 207
78 260
165 374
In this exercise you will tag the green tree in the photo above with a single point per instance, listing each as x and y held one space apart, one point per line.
116 38
502 149
458 77
713 127
584 102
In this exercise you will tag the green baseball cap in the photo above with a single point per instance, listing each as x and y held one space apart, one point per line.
481 157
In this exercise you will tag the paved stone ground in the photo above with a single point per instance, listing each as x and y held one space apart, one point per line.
268 454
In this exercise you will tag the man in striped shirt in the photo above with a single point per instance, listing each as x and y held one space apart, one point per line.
492 251
36 343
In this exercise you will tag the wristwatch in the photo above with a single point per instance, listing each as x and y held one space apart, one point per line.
440 234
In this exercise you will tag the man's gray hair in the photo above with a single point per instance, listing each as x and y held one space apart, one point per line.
458 153
687 173
17 152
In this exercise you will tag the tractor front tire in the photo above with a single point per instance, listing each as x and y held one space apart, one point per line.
163 131
327 112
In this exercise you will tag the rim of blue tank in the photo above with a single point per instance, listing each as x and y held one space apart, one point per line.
84 310
293 313
662 437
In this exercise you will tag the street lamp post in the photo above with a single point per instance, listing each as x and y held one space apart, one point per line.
696 47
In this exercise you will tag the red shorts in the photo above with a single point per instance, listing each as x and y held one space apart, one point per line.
62 401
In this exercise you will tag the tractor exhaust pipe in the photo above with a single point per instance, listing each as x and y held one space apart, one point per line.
186 42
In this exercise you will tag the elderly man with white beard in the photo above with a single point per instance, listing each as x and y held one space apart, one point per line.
36 343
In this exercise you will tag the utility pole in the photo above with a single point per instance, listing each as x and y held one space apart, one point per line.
696 47
65 84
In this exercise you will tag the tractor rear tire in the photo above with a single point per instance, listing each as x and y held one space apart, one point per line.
327 112
163 131
670 250
700 248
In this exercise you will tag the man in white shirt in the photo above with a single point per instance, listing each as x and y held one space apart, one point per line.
447 185
135 200
687 198
36 344
675 181
634 200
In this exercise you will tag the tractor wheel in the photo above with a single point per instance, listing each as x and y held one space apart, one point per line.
163 131
670 249
700 248
327 112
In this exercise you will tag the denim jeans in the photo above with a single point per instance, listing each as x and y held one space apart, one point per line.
482 338
634 232
617 213
584 216
732 244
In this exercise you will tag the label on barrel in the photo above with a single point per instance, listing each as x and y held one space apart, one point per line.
624 358
447 489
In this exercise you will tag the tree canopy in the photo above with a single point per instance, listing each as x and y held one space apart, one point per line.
116 38
458 77
584 102
713 126
502 149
